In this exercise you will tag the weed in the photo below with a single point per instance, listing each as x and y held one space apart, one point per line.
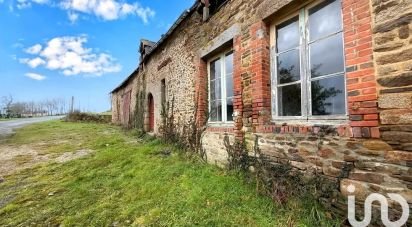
146 183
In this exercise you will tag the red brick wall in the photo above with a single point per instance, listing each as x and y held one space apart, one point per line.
238 89
361 84
360 76
201 95
252 81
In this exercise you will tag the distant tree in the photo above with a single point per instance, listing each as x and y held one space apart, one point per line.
320 94
292 94
54 106
7 101
17 109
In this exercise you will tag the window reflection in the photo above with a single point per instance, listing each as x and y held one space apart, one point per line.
216 110
288 35
325 19
328 96
289 99
215 70
229 86
229 109
326 56
221 88
288 67
324 83
229 63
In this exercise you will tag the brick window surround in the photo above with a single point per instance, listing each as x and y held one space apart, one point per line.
252 79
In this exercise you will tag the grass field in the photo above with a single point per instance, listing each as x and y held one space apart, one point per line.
126 182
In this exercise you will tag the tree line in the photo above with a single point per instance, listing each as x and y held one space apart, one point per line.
9 108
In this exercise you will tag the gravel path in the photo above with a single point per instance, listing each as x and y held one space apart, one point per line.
7 127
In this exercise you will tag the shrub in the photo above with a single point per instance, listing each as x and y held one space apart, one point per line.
78 116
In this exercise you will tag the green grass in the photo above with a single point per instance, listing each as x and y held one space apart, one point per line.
107 113
132 184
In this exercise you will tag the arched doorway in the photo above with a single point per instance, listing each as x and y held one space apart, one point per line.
150 103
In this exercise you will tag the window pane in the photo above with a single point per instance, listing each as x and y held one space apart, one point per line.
215 69
287 35
229 63
289 100
212 90
328 96
288 67
229 86
326 56
216 110
325 19
219 110
229 108
215 89
213 111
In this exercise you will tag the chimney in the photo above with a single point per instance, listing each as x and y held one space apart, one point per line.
206 10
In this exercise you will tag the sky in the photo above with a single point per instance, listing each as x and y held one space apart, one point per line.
82 48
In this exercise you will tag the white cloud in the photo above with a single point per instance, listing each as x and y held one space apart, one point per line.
145 13
104 9
34 49
36 62
33 63
109 9
35 76
40 1
21 4
69 56
73 17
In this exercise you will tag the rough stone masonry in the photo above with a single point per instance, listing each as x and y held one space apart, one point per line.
375 136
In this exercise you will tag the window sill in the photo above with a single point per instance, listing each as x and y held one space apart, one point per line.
337 121
221 124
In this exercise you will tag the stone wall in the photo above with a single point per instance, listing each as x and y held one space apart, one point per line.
118 102
213 144
375 166
177 59
393 54
376 139
174 63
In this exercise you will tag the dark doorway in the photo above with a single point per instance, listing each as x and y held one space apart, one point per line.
163 92
151 112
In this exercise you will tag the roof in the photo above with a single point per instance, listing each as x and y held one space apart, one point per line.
145 42
182 17
125 82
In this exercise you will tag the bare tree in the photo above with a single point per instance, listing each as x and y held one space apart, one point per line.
54 106
7 101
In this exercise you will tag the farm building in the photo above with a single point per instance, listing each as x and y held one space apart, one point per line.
323 83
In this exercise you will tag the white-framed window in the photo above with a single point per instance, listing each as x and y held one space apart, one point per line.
308 65
220 83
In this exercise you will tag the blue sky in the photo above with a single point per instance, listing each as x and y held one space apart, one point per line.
84 48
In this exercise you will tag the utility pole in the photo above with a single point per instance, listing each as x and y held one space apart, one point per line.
72 105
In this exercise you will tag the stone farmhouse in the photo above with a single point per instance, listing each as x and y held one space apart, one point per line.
323 83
